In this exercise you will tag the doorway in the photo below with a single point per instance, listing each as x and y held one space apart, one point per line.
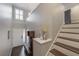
29 41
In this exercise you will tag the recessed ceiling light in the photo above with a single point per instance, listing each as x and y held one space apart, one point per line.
29 14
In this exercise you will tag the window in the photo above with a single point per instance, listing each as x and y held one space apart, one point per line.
18 14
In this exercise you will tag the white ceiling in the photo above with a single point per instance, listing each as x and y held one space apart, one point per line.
26 6
31 6
69 5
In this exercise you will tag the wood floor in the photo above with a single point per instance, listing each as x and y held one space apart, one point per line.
19 51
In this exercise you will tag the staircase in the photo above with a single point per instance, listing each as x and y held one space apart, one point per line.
67 42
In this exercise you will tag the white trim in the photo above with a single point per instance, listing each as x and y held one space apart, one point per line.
10 52
35 8
54 40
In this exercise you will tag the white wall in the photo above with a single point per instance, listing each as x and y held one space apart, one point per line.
5 43
46 15
57 20
34 22
5 26
75 13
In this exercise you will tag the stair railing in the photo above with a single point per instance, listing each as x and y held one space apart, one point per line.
54 40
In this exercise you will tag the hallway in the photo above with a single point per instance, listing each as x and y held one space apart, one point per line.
21 24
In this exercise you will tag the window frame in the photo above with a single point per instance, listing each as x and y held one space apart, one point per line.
19 14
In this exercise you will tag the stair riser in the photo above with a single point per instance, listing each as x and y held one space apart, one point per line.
67 42
74 36
65 51
76 31
68 47
71 25
75 21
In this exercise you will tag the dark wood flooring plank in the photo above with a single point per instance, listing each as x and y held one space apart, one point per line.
73 49
16 51
57 53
